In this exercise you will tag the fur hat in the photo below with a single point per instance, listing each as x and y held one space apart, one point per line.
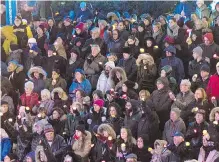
212 114
198 50
38 69
209 36
48 128
99 102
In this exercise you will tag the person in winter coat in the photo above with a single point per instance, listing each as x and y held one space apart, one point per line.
95 39
161 101
114 42
194 132
159 153
57 120
184 8
75 115
59 97
202 10
147 19
15 54
56 81
196 64
37 75
133 44
200 102
174 62
166 71
29 98
67 29
173 125
7 99
141 149
179 149
125 144
5 144
184 97
80 82
58 44
45 102
114 117
20 31
128 63
104 148
215 29
210 50
158 34
118 76
140 35
54 142
17 76
105 82
212 87
149 122
128 90
81 144
37 134
52 30
41 38
93 65
202 80
75 62
132 116
146 72
84 13
96 115
122 29
208 152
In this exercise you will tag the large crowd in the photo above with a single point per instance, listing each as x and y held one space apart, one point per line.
113 88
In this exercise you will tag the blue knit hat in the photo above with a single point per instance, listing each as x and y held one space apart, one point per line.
178 134
80 71
15 62
83 4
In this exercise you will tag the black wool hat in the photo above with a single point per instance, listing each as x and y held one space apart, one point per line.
81 127
126 50
205 68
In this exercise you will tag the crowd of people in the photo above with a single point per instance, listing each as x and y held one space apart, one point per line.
113 88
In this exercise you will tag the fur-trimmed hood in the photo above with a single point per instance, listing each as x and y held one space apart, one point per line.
121 71
37 69
212 114
108 128
136 42
63 116
145 56
61 93
112 16
160 142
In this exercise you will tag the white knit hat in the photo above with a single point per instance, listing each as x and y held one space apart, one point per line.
32 40
111 64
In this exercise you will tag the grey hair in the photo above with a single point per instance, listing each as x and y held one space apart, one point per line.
67 157
29 84
46 92
186 82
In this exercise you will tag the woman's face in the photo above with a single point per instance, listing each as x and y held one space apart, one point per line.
198 94
96 108
78 76
216 116
95 97
155 28
160 86
171 23
78 94
50 22
121 26
36 75
78 31
55 75
115 35
118 75
140 29
162 21
4 108
105 133
73 55
131 41
140 143
59 40
55 115
44 97
39 31
123 133
29 159
28 90
78 133
149 43
194 37
184 88
113 112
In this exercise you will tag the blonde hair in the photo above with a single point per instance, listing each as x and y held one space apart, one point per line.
46 92
203 93
146 93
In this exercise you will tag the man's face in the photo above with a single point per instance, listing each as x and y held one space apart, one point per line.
140 29
17 22
95 50
159 85
107 69
49 136
204 74
50 22
131 41
121 26
177 140
126 56
94 35
184 88
199 118
173 116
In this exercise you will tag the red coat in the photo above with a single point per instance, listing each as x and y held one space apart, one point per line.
29 101
213 86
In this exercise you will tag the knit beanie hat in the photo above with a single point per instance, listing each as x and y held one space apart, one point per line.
167 68
111 64
80 26
99 102
177 111
75 50
170 49
32 40
178 134
209 36
201 111
48 128
205 68
169 40
80 71
198 50
41 26
81 127
164 81
126 50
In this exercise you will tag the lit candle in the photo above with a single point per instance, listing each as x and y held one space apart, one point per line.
187 144
141 50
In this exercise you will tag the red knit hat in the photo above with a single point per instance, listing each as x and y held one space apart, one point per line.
80 26
209 36
169 40
99 102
